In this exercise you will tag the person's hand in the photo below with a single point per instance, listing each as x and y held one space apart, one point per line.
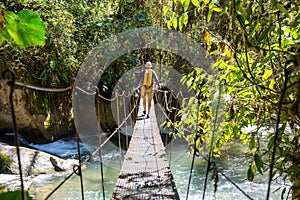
157 87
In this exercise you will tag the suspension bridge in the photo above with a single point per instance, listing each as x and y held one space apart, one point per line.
145 172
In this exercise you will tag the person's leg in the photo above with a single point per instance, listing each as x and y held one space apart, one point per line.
150 93
143 96
144 105
149 107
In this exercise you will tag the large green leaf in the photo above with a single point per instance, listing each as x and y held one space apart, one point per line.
186 5
259 163
3 32
250 173
4 35
196 3
26 28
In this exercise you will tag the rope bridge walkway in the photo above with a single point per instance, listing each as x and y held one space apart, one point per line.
145 173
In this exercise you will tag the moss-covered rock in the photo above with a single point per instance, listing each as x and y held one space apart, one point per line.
34 125
5 162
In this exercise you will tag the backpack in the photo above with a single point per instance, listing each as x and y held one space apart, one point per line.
148 78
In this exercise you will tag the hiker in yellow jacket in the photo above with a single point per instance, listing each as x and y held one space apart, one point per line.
147 91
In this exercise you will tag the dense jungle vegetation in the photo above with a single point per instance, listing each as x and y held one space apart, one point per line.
255 46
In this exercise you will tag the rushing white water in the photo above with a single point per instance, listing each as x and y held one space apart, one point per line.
232 164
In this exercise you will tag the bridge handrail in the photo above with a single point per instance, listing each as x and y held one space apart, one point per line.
93 153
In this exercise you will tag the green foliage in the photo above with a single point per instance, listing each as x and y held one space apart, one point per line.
256 48
69 37
17 195
187 7
5 162
25 28
201 115
5 158
73 28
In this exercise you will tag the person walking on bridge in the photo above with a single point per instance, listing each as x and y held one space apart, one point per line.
147 90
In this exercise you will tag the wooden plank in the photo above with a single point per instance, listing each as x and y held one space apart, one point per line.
145 172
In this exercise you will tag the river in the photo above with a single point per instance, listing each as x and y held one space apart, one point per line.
232 163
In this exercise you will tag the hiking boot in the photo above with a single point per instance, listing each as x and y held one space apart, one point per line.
144 112
148 116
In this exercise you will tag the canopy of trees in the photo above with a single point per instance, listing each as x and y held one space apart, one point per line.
256 49
254 44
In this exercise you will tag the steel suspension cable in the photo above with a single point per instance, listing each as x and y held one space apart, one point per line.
100 149
167 104
192 167
194 153
79 165
43 88
101 169
131 120
175 118
212 139
119 132
59 185
126 128
231 181
173 125
11 77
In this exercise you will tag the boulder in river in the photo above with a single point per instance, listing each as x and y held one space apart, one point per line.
35 162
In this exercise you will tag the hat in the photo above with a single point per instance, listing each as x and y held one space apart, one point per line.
148 65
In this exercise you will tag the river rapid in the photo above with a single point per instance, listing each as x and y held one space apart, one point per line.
232 164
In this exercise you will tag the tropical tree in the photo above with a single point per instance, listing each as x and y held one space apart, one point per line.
69 35
72 29
255 46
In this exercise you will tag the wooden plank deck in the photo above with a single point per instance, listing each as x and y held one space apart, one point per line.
145 172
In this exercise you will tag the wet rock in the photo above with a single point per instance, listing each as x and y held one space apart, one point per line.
55 165
35 165
35 162
31 123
